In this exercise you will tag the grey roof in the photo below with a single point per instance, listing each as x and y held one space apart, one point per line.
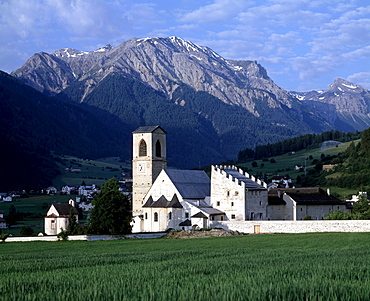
191 184
175 203
307 196
162 202
249 183
200 214
212 211
148 129
185 223
64 208
197 203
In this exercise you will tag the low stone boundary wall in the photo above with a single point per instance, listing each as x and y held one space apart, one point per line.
85 237
295 226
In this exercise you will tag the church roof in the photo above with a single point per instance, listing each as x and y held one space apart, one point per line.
249 183
175 203
148 129
191 184
162 202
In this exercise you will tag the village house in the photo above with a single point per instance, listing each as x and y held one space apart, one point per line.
88 190
66 189
56 218
4 197
282 181
2 220
51 190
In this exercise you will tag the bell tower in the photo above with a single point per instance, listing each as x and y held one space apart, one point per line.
149 158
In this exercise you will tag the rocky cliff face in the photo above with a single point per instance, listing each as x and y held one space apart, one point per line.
342 103
163 64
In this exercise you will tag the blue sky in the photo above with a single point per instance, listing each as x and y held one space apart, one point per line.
303 44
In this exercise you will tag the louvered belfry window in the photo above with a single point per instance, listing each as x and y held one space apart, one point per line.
142 148
158 149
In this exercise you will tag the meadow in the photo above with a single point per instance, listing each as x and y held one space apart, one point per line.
321 266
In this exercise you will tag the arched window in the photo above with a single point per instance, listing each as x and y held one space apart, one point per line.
158 149
156 216
142 148
170 215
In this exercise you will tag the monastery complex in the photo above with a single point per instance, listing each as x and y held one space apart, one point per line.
165 199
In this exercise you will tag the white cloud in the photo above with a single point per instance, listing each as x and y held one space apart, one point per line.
361 78
220 10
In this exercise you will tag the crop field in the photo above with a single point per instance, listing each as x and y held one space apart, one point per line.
322 266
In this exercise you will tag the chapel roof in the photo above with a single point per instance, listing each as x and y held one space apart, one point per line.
64 208
249 183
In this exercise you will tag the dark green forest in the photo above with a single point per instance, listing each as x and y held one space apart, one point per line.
34 127
308 141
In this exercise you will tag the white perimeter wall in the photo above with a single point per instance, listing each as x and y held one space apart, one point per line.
294 226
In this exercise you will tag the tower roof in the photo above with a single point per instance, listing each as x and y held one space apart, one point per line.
148 129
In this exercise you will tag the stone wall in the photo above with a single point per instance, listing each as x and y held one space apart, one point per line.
86 237
294 226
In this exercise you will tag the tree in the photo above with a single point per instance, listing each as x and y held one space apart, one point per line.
112 211
27 231
361 209
72 227
338 215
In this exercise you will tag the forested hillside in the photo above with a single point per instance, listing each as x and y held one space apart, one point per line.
33 126
353 166
308 141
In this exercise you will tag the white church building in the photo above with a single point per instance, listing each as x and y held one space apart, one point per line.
164 199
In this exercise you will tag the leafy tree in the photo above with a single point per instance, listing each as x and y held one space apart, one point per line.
339 215
361 209
27 231
112 211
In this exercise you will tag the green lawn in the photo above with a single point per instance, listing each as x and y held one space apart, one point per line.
323 266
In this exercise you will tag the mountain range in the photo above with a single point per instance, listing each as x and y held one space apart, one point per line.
211 107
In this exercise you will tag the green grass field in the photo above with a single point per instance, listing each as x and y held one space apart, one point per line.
323 266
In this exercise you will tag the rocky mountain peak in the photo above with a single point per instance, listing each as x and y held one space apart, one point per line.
164 64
